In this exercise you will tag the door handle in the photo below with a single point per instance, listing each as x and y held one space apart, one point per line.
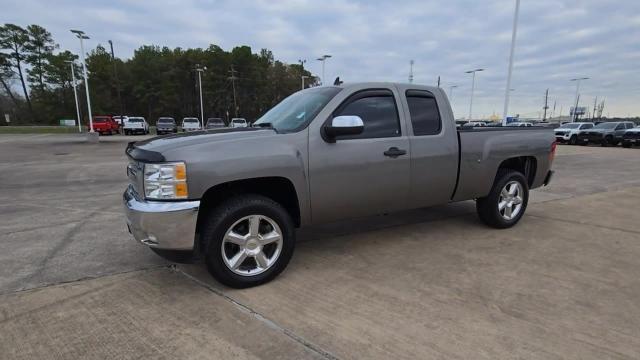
394 152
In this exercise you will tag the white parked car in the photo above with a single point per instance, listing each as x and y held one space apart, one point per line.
190 124
238 122
521 124
136 125
121 120
568 132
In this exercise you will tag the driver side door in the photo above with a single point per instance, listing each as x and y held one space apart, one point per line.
361 175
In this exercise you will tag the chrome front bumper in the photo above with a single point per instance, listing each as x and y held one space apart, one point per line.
161 224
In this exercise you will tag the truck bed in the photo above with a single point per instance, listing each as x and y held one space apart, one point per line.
483 150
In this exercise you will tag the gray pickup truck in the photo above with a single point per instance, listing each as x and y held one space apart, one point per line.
236 195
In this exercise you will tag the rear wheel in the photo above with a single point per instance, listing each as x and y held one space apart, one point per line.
248 240
507 201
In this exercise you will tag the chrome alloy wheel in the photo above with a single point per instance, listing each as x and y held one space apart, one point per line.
252 245
510 203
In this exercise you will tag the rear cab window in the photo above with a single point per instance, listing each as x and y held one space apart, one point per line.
424 113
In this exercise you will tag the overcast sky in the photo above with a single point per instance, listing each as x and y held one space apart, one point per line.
374 41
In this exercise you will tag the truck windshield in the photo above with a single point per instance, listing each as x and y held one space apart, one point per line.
166 121
297 110
100 119
135 120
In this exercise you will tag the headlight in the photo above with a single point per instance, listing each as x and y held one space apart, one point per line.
165 181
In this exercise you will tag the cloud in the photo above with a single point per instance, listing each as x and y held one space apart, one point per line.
374 40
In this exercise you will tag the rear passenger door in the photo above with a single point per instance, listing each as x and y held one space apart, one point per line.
362 174
434 149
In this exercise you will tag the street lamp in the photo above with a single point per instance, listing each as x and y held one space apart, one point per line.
323 58
473 86
200 70
507 89
451 91
575 108
75 92
81 35
115 73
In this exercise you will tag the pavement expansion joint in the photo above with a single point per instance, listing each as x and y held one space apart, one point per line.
270 323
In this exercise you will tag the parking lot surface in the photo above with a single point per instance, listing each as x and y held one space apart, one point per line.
427 283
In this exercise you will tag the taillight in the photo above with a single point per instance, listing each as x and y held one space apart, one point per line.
552 154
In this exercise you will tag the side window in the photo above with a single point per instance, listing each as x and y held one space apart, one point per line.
620 127
587 126
378 113
423 109
629 125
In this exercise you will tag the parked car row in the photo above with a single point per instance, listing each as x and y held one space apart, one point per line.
131 125
605 134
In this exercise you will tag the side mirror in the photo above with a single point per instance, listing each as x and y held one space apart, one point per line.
343 125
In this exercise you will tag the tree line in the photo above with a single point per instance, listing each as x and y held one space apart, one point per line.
36 83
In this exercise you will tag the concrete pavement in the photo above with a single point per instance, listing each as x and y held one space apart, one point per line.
427 283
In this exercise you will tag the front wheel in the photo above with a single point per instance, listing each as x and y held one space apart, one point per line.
248 240
507 201
573 140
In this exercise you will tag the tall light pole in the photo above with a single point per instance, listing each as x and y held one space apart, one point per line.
513 48
115 73
451 87
323 59
200 70
81 35
75 92
473 86
575 108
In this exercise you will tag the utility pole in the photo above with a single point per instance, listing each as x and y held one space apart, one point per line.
438 80
511 54
115 73
410 71
200 70
75 92
575 108
81 35
323 59
546 106
473 86
233 78
302 76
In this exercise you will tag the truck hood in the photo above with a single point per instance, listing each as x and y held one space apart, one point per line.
151 150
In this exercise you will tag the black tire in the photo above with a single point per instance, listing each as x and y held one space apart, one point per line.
487 207
224 216
605 142
573 140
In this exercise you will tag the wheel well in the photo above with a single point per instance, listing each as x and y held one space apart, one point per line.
279 189
526 165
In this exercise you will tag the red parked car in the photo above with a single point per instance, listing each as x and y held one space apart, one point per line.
104 124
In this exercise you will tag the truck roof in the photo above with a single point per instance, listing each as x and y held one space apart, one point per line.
386 84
